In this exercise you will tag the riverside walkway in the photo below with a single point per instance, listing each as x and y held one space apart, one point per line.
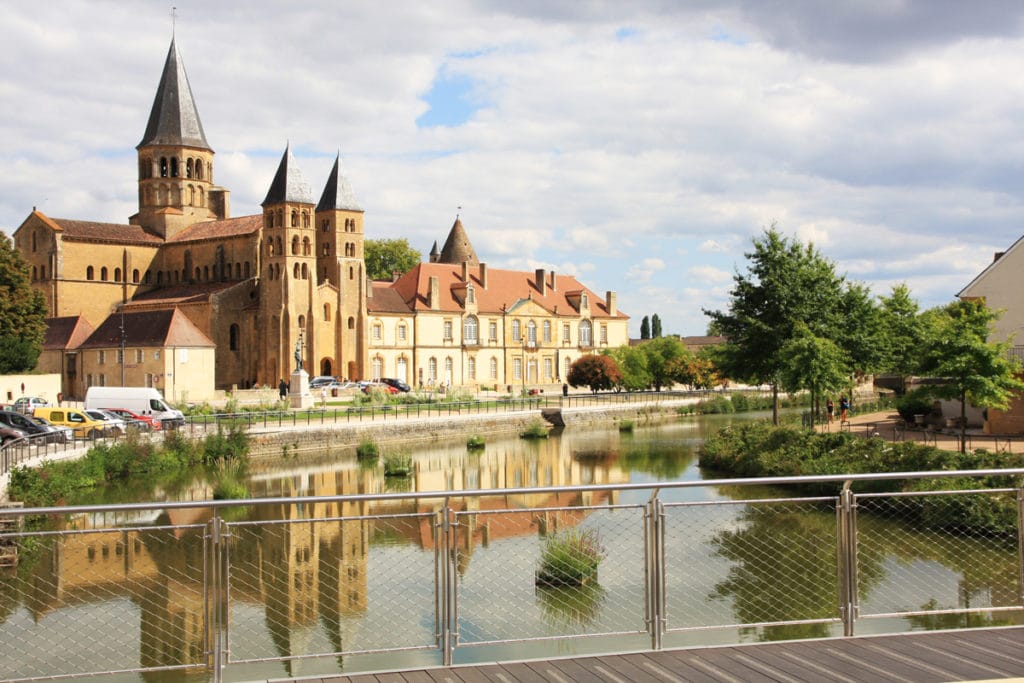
965 655
890 426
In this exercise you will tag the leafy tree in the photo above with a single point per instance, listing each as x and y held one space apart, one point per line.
787 283
632 362
645 328
385 257
655 326
22 313
902 332
596 371
812 363
664 356
974 368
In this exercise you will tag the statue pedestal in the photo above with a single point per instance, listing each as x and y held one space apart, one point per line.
298 390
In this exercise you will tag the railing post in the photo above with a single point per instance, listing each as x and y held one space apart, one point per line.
1020 545
446 591
214 594
847 557
654 568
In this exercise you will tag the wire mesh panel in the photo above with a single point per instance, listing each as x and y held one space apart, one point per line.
753 562
939 552
551 572
304 583
91 596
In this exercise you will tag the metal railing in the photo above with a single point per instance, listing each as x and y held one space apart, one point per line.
226 586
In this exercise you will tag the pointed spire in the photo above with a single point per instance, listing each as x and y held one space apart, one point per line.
435 253
457 248
338 193
288 184
174 119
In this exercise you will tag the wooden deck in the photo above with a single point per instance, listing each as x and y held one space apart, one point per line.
967 655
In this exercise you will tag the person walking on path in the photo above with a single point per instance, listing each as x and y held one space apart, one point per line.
282 389
844 409
830 408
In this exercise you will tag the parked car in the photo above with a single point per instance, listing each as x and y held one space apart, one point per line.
144 422
67 434
321 380
8 434
114 424
85 426
26 405
380 386
33 430
396 383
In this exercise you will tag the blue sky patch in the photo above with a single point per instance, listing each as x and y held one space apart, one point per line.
450 101
625 33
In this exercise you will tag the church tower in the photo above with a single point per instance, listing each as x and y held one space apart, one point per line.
175 161
286 293
339 256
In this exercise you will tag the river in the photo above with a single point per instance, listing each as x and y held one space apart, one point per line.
738 563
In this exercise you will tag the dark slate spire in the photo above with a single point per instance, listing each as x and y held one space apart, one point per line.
457 249
435 253
338 192
288 184
174 119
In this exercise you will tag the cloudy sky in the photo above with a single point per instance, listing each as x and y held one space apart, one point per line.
639 145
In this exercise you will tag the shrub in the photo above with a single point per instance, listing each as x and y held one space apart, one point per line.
368 449
536 429
916 402
718 404
570 557
626 426
475 442
399 465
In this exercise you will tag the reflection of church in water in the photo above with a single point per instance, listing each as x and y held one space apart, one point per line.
306 564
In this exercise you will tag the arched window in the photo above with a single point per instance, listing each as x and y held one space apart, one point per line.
42 272
35 273
280 218
199 169
351 273
448 370
206 273
191 195
378 367
327 311
586 337
302 322
351 323
163 167
432 369
103 273
159 277
492 368
326 249
305 272
469 330
305 219
135 276
307 249
270 247
531 332
117 274
188 168
280 246
517 330
197 274
147 278
270 271
295 246
174 167
325 226
295 218
471 367
295 271
233 337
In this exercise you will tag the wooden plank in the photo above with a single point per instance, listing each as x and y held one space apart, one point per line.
572 669
956 656
819 655
676 660
853 655
618 669
522 673
774 657
724 660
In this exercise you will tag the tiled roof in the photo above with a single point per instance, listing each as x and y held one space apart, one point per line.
163 328
504 289
338 193
457 248
181 294
174 119
66 332
386 299
90 231
222 229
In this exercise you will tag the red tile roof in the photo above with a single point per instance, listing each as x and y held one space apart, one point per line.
163 328
228 227
181 294
114 233
66 332
385 299
504 289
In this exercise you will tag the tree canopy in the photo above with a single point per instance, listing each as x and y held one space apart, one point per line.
22 313
384 257
655 326
791 291
597 371
645 328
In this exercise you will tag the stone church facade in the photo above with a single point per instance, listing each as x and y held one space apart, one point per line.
255 289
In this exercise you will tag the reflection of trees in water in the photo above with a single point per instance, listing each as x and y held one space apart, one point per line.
666 461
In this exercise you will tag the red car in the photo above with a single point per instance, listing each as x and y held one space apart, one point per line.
387 388
145 422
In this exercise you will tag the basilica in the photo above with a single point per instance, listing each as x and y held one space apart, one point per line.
186 298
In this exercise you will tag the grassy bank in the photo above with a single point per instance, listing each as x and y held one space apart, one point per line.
140 463
757 449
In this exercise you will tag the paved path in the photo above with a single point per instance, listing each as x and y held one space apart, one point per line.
889 425
967 655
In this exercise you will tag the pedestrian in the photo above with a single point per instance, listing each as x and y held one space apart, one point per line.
565 390
282 389
844 409
830 408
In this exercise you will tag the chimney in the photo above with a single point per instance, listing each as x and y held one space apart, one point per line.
610 302
465 271
434 295
553 288
483 275
540 281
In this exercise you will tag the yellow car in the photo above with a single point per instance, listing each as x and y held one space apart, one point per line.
84 426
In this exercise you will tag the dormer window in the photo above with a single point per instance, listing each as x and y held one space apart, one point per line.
470 295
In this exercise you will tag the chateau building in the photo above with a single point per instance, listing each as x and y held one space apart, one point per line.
247 292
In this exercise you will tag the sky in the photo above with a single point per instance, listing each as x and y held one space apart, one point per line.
639 145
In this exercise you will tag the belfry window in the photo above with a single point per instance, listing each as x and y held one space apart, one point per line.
174 167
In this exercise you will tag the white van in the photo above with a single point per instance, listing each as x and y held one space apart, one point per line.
141 400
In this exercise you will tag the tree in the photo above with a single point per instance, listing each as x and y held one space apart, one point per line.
901 334
597 371
655 326
665 358
22 313
974 368
813 363
632 362
787 284
385 257
645 328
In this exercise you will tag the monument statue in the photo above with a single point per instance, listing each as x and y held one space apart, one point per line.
298 355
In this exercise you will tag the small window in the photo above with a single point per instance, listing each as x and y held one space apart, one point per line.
327 312
378 332
448 330
103 273
401 332
492 331
517 331
547 331
351 323
90 274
